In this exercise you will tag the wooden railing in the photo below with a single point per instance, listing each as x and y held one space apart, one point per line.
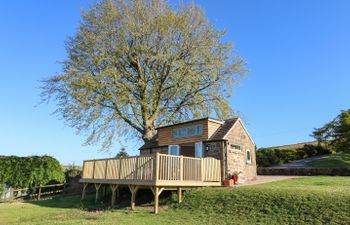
158 167
32 192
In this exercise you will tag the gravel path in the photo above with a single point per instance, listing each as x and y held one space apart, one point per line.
261 179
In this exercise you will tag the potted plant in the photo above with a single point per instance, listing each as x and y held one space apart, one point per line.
228 181
235 177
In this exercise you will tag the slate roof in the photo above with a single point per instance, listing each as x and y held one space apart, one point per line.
223 129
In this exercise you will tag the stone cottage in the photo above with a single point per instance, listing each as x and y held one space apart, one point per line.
226 140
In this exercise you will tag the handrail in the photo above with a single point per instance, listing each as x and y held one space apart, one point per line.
153 168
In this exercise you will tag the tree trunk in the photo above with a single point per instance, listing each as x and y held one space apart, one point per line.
150 133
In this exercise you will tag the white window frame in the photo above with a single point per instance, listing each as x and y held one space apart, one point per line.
250 156
234 149
177 149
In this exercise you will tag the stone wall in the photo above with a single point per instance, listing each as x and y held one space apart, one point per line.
237 159
215 150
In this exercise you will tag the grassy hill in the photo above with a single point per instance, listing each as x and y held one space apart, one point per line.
308 200
337 160
294 146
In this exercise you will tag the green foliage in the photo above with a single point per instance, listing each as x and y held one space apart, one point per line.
122 153
337 160
336 133
267 157
22 172
135 65
72 173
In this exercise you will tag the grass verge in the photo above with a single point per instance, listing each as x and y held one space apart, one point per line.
338 160
308 200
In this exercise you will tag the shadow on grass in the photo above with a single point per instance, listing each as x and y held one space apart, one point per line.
144 198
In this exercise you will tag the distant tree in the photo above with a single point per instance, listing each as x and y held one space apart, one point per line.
122 153
134 65
336 133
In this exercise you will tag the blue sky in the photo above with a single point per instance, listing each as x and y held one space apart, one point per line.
298 53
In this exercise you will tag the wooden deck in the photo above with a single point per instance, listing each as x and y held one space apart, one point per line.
158 172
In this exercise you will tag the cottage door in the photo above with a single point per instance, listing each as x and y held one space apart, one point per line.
174 150
198 149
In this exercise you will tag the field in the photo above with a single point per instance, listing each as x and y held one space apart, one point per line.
338 160
307 200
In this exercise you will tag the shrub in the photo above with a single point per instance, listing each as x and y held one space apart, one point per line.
72 173
23 172
266 157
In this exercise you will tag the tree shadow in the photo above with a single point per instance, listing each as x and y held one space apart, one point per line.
144 199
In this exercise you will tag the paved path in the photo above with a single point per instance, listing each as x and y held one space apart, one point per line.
261 179
302 163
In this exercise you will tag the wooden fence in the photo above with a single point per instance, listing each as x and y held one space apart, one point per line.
33 192
158 167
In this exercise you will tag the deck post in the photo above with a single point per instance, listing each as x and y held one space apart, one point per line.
156 167
202 170
97 187
84 190
93 171
181 168
114 188
156 200
133 190
179 195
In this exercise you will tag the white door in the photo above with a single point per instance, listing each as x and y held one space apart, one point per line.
198 149
174 150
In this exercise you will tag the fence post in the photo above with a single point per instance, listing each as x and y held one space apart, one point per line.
93 171
202 170
106 169
82 174
181 168
156 167
39 193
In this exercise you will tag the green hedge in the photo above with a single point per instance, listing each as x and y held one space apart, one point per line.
266 157
25 172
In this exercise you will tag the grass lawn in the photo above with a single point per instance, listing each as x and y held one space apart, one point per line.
307 200
338 160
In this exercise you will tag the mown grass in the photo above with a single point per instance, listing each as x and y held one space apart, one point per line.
338 160
308 200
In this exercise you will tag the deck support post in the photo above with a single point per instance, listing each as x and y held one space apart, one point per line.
179 195
97 187
156 192
156 200
133 190
84 190
114 188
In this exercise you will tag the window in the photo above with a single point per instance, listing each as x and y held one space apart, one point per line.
236 147
249 156
198 149
189 131
174 150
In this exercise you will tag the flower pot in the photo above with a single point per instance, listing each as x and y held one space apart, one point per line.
228 182
235 179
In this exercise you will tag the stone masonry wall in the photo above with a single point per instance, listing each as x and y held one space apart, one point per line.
237 159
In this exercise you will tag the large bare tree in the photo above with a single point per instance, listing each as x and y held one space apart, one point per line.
134 65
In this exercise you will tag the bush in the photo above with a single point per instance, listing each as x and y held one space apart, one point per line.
26 172
266 157
72 174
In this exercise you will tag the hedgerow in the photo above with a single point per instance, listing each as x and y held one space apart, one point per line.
26 172
267 157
